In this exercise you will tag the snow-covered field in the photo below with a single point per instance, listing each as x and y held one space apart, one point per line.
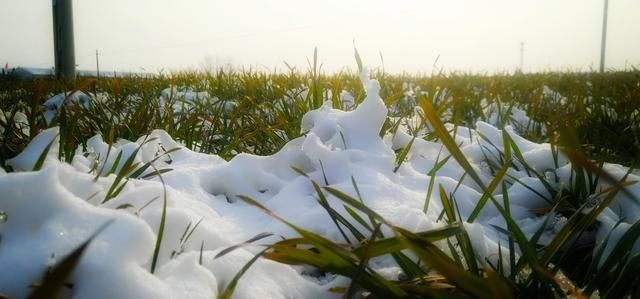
48 213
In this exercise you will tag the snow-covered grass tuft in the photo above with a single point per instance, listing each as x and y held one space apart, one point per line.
465 186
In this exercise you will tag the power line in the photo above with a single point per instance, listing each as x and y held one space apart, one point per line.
201 43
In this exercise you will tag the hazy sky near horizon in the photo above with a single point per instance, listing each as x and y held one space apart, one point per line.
466 35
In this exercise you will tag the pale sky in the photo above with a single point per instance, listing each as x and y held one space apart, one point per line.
467 35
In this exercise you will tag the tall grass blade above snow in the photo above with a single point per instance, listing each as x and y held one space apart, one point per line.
161 226
328 256
231 286
43 155
489 191
448 142
467 282
403 155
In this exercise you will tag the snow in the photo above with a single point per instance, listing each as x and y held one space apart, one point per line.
46 223
53 104
57 222
511 115
27 159
19 119
181 100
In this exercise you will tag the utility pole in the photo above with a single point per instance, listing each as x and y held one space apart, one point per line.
603 45
97 65
64 48
521 57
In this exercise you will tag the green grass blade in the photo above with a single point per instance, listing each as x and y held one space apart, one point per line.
405 151
488 192
115 164
576 225
434 257
447 206
43 155
156 173
449 143
332 256
231 287
55 280
357 218
257 237
432 179
156 250
393 244
356 204
335 216
529 255
146 166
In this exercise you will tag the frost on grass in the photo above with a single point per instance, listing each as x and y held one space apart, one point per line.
52 211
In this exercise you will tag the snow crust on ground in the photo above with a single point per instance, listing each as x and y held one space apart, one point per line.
52 211
181 99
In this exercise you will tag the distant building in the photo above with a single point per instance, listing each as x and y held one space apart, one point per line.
28 73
